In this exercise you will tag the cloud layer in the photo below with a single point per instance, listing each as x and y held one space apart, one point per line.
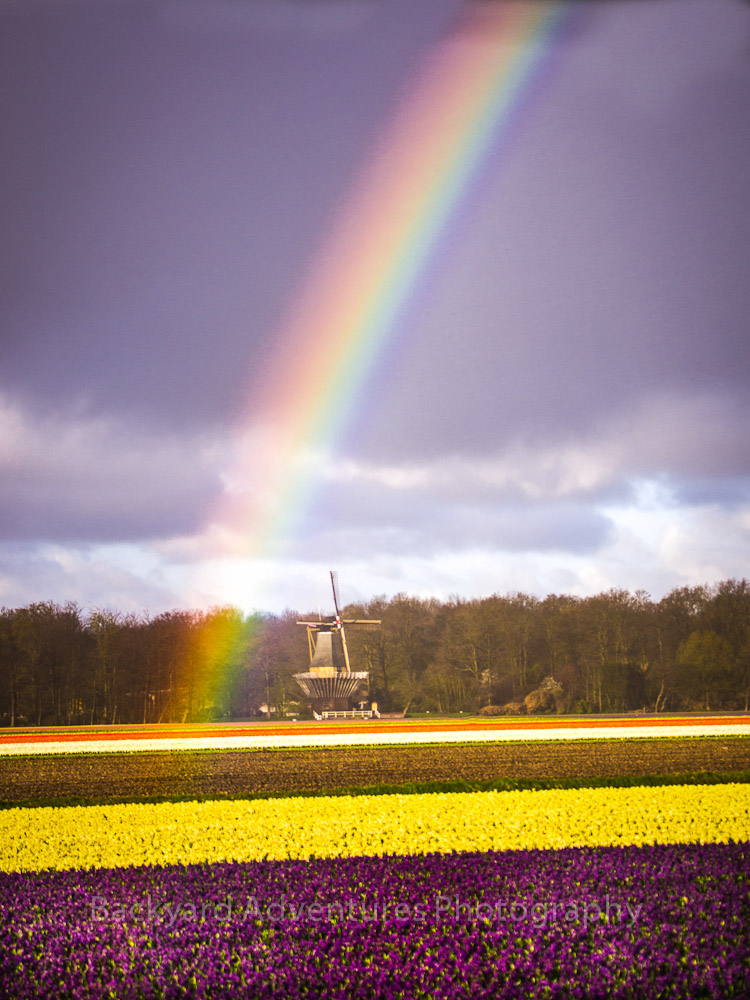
563 405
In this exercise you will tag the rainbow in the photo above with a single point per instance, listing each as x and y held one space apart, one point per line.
466 98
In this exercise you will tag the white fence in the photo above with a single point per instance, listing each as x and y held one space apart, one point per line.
353 714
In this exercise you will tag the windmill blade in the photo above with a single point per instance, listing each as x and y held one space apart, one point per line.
339 624
345 649
335 588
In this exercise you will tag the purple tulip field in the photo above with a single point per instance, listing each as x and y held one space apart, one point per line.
625 922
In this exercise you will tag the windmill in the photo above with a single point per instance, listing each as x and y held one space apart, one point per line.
330 683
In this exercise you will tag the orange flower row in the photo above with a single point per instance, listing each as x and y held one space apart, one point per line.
171 731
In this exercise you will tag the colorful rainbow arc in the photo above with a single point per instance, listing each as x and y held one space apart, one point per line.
461 108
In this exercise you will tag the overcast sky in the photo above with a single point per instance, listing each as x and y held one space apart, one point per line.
564 407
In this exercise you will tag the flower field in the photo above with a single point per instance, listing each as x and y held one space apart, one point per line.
664 921
209 832
260 736
629 892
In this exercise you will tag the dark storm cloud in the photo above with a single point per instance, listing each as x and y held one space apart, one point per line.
163 191
271 17
136 203
602 260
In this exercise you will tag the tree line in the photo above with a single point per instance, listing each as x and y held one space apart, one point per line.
615 652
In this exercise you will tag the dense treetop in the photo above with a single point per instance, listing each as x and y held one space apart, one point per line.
617 651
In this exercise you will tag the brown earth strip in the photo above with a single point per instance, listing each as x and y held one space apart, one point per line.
234 773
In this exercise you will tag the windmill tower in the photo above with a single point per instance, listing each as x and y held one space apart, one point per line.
330 683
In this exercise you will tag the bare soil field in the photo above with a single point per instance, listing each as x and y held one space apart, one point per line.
113 777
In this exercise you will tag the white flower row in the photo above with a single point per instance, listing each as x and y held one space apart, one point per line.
323 739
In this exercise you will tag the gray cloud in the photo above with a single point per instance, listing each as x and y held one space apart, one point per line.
76 477
89 576
562 403
430 531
